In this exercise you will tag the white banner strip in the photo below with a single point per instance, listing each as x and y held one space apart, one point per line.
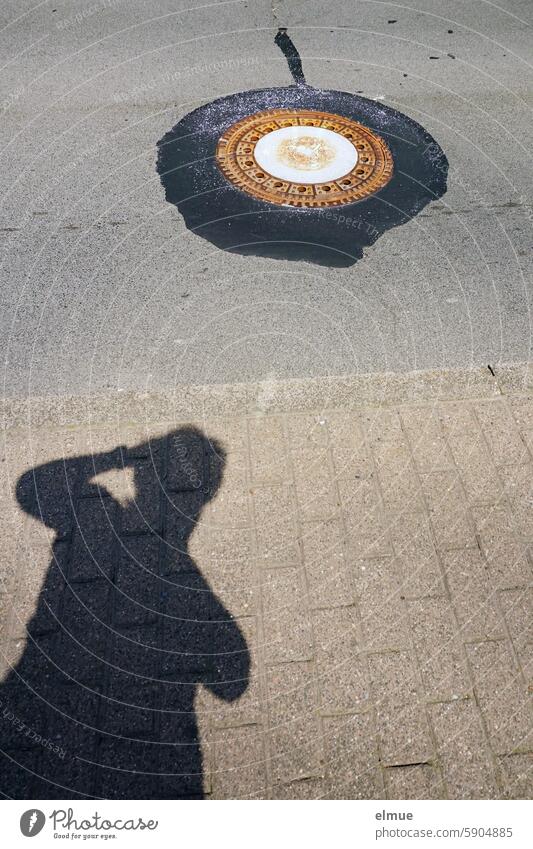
257 824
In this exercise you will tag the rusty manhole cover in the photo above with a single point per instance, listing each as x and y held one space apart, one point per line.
304 158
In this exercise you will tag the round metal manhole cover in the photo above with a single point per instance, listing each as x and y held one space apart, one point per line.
304 158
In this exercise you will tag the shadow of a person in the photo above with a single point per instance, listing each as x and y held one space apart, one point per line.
101 702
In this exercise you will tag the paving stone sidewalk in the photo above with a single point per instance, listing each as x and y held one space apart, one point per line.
318 597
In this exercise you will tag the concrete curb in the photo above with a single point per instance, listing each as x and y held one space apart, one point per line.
195 402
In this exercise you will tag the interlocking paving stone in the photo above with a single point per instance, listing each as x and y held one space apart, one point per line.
249 708
306 430
447 510
45 576
229 508
315 492
306 789
360 503
473 594
400 490
69 771
295 739
20 770
518 483
522 411
350 454
326 565
268 450
517 606
438 648
15 547
228 564
419 575
229 432
363 518
417 563
393 455
502 696
500 431
239 763
507 561
275 525
286 625
315 604
466 441
94 551
342 677
467 765
402 724
423 428
125 767
381 425
351 758
383 612
137 585
495 524
479 476
131 706
296 751
517 773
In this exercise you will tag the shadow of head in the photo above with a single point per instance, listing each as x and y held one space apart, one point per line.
183 461
336 236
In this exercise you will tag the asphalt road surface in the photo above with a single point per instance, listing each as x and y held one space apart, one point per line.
104 288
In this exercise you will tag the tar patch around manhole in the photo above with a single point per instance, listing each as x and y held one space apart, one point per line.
304 158
274 173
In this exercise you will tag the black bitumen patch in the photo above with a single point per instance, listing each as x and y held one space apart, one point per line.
336 236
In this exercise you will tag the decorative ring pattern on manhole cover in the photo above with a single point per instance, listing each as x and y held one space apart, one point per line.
325 160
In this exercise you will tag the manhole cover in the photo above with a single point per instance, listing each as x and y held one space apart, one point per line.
304 158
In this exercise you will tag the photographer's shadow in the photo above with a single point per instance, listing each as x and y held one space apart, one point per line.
102 701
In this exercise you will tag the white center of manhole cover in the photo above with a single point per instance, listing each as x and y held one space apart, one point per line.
305 154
